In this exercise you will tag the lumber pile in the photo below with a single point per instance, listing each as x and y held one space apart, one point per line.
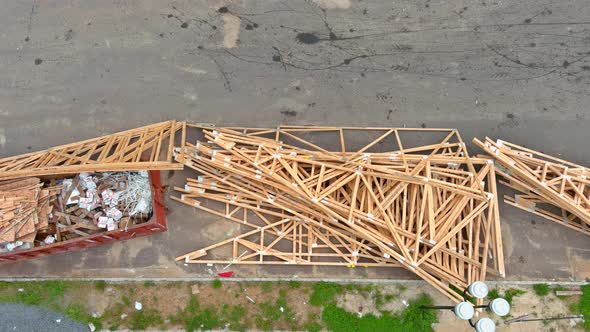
24 210
33 213
410 198
144 148
549 187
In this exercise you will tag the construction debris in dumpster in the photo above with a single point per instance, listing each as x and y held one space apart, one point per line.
34 212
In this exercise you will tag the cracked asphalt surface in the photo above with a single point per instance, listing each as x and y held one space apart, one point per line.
17 317
519 71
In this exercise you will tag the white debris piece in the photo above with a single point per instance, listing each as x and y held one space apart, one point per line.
89 184
141 207
13 245
92 327
49 239
107 196
115 199
75 193
138 305
91 194
85 203
102 221
115 214
111 225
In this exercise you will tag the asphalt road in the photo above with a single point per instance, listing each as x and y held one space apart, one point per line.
519 71
17 317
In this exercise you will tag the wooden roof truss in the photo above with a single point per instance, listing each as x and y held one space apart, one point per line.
426 206
552 188
144 148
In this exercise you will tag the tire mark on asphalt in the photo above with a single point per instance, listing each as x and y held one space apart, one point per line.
30 22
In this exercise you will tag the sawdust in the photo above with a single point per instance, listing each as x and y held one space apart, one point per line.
333 4
231 30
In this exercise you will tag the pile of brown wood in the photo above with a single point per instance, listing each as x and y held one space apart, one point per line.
410 198
549 187
24 209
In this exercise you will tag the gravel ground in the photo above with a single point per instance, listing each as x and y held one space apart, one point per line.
17 317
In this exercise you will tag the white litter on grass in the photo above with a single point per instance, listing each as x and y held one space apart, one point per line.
138 305
282 309
123 316
92 327
405 303
21 290
58 321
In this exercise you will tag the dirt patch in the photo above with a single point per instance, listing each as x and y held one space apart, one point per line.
298 300
279 305
357 303
98 301
167 298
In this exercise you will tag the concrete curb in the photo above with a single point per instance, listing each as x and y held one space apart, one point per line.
353 281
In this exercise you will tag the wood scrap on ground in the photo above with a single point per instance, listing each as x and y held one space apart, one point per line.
549 187
312 196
